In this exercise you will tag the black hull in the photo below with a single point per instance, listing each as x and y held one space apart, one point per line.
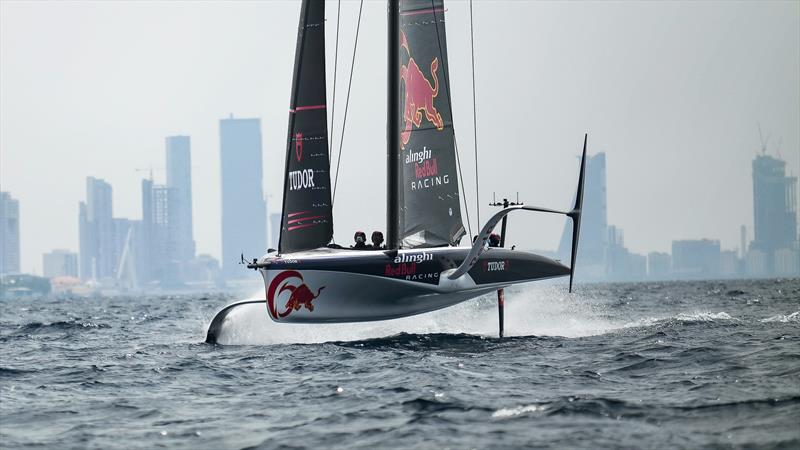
336 286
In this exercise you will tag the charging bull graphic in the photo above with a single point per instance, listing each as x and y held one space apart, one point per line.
419 94
299 296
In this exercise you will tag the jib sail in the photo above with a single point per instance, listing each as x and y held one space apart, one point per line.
307 222
429 212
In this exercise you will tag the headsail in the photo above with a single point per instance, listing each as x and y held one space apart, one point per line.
306 222
428 205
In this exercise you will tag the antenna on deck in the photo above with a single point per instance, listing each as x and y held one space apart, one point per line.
504 204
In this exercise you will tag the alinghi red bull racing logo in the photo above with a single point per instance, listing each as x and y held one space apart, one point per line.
300 295
419 94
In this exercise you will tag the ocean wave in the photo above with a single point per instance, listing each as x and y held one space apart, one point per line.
42 327
519 410
8 372
684 318
784 318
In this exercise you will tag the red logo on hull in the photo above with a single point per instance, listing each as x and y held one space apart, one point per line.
419 94
300 295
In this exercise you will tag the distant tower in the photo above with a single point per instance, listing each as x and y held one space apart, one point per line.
97 246
147 244
743 242
594 223
9 234
86 248
244 215
774 207
179 178
60 263
161 243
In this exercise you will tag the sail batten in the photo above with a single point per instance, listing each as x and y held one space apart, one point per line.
428 197
307 221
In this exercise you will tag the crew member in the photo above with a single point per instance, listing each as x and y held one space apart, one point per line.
361 241
494 240
377 240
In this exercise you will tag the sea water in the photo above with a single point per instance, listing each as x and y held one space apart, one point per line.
644 365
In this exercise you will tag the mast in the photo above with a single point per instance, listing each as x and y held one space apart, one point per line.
392 125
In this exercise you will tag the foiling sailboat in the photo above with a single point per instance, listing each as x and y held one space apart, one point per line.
422 268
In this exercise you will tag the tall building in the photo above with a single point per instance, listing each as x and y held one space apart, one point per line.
97 246
728 263
9 233
244 215
742 242
659 265
774 208
60 263
696 258
86 244
593 251
160 245
147 248
179 178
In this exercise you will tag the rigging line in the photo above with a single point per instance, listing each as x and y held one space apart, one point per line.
461 178
474 114
335 71
450 106
347 104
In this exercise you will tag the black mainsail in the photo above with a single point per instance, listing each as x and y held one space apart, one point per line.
428 210
307 222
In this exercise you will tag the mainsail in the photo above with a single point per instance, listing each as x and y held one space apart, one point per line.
307 222
428 205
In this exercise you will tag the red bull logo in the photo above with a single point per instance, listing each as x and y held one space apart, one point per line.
300 295
298 146
419 94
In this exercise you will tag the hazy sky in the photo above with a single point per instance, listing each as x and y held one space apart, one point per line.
670 91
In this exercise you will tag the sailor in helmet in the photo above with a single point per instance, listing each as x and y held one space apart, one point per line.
377 240
361 241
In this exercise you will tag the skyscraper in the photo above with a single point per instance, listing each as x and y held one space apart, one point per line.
9 233
86 244
179 178
774 207
147 246
700 258
60 263
160 245
97 246
244 228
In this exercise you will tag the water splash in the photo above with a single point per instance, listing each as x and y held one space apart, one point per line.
784 318
682 318
511 412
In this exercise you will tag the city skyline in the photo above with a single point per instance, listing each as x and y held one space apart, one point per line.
133 253
600 245
675 133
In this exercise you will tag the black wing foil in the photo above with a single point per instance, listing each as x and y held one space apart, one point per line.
307 222
429 205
